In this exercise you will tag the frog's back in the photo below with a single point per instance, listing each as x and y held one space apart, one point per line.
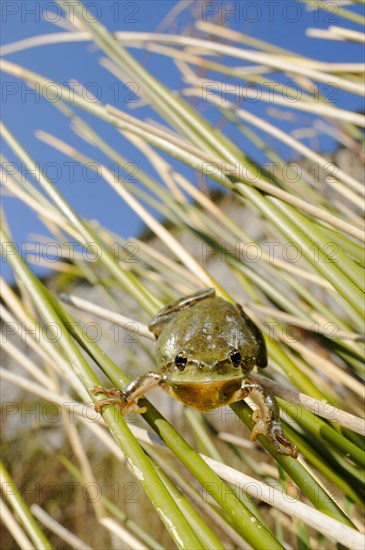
210 329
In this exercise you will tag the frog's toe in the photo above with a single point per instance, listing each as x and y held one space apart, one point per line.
134 407
118 401
274 433
281 444
97 389
111 392
260 427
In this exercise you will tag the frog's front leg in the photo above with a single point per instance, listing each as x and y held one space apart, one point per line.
266 418
127 400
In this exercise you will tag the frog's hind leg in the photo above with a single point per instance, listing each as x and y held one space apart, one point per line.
127 400
266 418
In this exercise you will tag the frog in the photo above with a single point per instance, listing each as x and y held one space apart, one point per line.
206 348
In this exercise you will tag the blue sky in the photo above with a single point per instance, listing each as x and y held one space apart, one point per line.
281 22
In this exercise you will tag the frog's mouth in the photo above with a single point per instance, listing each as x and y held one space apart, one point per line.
206 395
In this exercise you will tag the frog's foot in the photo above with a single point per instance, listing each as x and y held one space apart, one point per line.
266 419
117 398
127 400
274 433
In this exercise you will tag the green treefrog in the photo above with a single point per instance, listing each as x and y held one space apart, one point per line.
206 348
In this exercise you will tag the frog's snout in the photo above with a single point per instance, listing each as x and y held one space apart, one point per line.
219 368
201 368
204 367
222 368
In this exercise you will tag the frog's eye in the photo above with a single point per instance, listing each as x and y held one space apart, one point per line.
235 357
180 361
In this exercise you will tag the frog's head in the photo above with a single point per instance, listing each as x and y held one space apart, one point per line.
211 341
204 379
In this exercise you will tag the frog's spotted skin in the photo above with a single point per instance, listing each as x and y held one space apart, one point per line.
206 348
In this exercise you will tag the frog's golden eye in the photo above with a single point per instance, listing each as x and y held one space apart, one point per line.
235 358
180 361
